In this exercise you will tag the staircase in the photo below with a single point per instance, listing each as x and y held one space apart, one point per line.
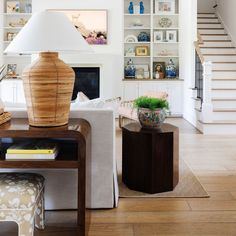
216 47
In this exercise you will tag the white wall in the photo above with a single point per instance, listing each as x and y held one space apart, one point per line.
205 6
188 34
115 36
226 12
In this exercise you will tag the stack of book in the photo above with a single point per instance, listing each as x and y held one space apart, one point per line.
32 150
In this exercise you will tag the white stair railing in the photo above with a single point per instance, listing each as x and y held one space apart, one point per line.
207 106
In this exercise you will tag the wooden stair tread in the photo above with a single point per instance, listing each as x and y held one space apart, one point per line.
211 28
214 34
224 99
216 41
220 122
204 47
224 110
224 62
223 89
212 23
207 17
224 70
221 79
210 54
207 13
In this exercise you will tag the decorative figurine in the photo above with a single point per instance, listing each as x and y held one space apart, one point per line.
141 7
131 8
130 69
171 71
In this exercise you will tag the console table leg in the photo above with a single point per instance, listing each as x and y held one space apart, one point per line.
81 203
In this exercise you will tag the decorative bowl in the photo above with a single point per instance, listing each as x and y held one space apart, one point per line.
151 119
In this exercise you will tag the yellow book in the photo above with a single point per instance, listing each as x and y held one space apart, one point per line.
34 147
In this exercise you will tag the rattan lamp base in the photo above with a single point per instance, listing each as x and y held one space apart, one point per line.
48 86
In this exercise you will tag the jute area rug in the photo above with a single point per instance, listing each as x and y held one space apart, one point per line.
188 186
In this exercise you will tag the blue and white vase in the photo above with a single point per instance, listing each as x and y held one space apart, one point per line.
131 8
141 7
130 69
143 37
171 71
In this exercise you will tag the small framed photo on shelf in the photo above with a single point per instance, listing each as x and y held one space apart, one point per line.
11 70
158 36
13 6
141 51
159 70
171 36
142 71
165 7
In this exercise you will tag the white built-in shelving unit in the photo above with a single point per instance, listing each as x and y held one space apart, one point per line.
159 51
10 25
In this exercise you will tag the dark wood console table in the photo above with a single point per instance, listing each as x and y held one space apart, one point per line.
74 140
150 160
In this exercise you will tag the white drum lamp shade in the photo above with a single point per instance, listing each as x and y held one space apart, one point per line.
48 81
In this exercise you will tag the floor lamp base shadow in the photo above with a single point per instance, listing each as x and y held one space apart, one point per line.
48 86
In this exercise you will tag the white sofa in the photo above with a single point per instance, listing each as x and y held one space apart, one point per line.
101 185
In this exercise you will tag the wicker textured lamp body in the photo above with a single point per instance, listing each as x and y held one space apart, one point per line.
48 85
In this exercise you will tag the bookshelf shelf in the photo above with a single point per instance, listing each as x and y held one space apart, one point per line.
10 25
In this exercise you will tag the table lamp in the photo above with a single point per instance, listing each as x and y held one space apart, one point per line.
48 81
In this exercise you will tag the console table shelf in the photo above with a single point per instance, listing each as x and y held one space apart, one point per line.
74 139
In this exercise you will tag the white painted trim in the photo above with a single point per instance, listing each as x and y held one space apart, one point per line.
226 28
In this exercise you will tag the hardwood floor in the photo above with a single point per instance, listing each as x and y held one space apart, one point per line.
212 159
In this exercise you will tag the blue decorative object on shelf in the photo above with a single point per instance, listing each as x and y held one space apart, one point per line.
141 7
143 37
131 8
171 71
130 69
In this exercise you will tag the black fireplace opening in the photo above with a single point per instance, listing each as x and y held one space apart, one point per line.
87 80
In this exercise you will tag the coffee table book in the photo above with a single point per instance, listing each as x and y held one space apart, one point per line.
32 156
33 147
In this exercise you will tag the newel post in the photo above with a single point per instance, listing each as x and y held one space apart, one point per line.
207 107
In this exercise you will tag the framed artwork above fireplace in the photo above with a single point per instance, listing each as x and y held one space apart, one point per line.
92 24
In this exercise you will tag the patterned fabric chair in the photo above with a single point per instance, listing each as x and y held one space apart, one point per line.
127 110
22 201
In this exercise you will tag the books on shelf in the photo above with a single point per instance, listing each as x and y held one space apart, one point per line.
11 156
32 150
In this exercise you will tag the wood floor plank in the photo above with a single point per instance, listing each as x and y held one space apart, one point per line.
217 179
153 205
198 229
163 217
212 205
231 187
220 196
111 230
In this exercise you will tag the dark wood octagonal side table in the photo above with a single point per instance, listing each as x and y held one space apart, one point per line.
150 160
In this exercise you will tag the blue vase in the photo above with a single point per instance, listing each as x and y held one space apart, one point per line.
131 8
171 71
141 8
143 37
130 69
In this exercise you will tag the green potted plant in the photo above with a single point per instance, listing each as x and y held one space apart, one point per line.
151 111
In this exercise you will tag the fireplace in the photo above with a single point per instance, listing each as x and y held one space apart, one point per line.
87 80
